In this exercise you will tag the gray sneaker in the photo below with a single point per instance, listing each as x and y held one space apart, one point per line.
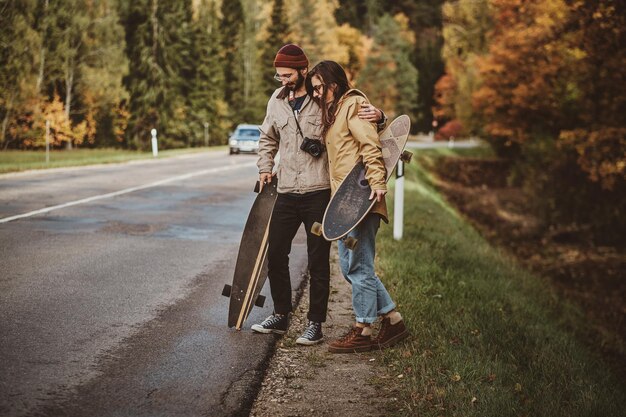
312 334
276 323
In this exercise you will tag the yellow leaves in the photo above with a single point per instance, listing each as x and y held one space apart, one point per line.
601 153
455 378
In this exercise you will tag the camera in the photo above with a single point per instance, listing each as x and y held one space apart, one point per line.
313 147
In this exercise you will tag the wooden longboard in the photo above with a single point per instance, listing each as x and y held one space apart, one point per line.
251 266
350 203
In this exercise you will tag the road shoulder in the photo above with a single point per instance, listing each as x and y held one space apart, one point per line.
311 381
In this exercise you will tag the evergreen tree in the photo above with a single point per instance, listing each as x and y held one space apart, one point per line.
388 77
232 32
158 39
277 37
254 98
206 95
179 66
146 81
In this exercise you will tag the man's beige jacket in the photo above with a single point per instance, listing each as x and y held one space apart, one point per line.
298 172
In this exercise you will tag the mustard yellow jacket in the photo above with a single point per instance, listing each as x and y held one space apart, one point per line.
351 139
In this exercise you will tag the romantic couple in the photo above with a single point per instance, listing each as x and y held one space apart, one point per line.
322 128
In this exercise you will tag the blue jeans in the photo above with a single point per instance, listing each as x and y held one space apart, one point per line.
370 298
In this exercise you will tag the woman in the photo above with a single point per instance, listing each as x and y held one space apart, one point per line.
349 139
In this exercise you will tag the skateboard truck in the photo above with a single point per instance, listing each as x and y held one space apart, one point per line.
316 229
406 157
259 302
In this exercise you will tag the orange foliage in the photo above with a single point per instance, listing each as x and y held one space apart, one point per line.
601 153
527 69
445 92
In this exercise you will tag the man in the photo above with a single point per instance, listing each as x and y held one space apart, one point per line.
293 126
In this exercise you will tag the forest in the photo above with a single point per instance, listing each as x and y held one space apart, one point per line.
105 72
542 81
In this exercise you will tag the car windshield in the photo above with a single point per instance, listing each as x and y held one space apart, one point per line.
249 133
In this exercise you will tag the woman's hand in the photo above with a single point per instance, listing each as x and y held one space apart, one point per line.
370 113
378 194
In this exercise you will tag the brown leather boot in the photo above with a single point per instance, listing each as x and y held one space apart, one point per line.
352 342
390 334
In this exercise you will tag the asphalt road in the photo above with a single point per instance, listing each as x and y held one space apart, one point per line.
110 299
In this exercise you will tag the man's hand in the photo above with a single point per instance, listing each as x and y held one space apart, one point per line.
378 194
370 113
264 178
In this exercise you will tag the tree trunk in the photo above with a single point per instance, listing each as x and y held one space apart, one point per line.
5 122
69 83
42 52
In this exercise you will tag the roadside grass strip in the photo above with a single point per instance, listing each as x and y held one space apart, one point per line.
487 337
15 161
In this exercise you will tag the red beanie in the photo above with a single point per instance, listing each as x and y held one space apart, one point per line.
291 56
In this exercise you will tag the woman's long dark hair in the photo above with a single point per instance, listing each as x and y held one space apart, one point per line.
331 73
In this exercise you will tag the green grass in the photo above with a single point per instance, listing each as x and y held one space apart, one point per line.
488 338
13 161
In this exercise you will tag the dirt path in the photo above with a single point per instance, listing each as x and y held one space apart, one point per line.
310 381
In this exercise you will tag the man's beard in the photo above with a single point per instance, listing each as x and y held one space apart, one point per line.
297 85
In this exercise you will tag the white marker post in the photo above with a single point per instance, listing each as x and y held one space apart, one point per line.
398 207
155 148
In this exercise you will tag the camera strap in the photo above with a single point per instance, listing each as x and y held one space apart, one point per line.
295 116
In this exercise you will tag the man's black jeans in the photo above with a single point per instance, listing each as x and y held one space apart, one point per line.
289 213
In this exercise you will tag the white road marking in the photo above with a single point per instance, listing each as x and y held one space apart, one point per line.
125 191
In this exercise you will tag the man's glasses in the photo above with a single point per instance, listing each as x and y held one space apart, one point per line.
283 77
318 88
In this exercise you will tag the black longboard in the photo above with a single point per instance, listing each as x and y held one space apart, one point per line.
350 203
251 266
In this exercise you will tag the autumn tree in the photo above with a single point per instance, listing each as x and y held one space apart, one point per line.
465 28
553 100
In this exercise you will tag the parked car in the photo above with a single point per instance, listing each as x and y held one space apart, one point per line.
245 138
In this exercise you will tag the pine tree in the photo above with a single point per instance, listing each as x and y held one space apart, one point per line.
255 99
232 32
178 64
158 39
146 79
277 37
207 105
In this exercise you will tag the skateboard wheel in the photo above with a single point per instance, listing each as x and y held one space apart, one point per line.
406 156
226 290
316 229
350 243
260 301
